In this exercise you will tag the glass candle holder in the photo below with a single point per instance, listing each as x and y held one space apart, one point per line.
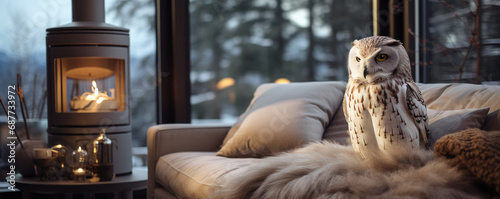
60 152
79 158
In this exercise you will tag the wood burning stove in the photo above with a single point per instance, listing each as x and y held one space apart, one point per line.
88 83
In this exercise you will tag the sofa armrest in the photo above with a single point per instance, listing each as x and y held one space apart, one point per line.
170 138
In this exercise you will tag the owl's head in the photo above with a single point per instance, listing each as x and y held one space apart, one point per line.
378 58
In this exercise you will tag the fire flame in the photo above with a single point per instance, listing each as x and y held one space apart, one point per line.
95 95
94 88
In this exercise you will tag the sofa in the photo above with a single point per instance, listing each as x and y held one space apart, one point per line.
193 160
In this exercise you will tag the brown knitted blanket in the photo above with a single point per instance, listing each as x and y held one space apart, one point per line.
476 150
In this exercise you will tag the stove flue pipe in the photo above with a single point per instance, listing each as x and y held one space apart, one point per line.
88 10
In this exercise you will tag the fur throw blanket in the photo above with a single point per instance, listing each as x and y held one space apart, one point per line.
476 150
330 170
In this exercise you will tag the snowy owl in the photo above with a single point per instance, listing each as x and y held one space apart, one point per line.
382 104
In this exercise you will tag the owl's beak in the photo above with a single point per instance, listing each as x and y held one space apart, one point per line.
365 72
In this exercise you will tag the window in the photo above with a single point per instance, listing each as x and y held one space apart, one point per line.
139 16
459 41
238 45
22 50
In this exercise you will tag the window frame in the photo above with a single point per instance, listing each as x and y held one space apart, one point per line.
173 61
395 18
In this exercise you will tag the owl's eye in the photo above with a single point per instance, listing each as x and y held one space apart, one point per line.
381 57
358 59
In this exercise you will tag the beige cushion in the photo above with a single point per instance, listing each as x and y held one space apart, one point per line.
460 96
282 117
442 123
197 174
338 129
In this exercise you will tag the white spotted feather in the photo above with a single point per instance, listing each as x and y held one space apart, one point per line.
382 105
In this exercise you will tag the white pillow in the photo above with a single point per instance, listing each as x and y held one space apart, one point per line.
283 117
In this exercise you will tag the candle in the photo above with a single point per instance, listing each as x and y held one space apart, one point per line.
42 153
79 175
79 171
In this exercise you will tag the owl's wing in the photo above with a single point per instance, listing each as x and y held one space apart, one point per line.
344 108
417 108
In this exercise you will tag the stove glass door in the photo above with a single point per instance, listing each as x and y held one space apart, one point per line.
89 84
